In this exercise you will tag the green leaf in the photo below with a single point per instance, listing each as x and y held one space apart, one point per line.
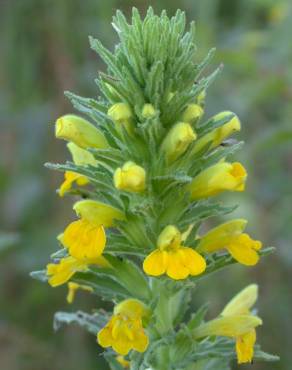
221 152
61 253
199 211
206 61
111 158
118 244
197 317
211 364
92 323
103 282
213 123
40 275
106 55
113 363
181 350
131 277
89 106
260 355
172 303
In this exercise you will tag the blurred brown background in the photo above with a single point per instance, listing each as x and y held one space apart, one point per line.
44 50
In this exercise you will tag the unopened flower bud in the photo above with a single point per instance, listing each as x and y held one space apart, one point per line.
218 178
80 132
130 177
97 213
201 97
148 111
192 113
177 140
216 136
170 96
169 238
81 156
122 115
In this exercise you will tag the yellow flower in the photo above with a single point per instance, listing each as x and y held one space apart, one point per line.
60 273
229 236
177 261
130 177
125 331
245 346
241 304
70 178
72 289
216 136
85 238
124 363
237 322
176 142
148 111
228 326
218 178
122 115
192 113
80 157
80 132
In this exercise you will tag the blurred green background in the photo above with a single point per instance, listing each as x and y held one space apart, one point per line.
45 51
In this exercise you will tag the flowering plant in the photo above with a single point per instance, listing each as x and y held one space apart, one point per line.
146 170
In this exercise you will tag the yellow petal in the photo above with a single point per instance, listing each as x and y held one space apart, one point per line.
193 261
216 179
141 341
72 289
97 213
82 180
245 347
242 302
124 331
176 268
244 254
70 177
155 263
132 308
104 337
232 180
239 174
170 237
218 237
122 346
84 239
123 362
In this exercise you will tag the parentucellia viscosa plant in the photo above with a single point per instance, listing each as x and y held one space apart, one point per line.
146 170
